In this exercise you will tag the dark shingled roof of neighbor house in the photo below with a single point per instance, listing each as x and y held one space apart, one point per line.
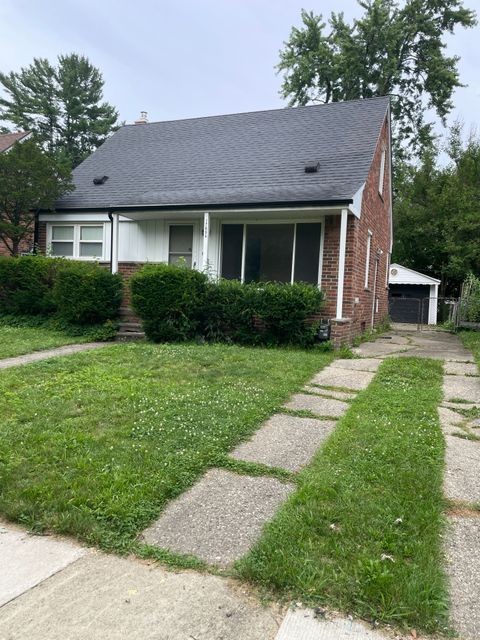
244 158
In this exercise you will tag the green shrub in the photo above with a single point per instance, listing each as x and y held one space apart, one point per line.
86 293
176 303
169 299
26 285
228 314
286 310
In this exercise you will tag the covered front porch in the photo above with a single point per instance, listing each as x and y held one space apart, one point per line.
250 245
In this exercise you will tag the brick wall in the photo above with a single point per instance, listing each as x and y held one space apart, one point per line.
25 246
358 301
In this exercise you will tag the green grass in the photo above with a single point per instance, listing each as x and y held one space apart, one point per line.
471 340
16 341
362 532
95 444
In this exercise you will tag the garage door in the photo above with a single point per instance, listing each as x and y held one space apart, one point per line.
405 303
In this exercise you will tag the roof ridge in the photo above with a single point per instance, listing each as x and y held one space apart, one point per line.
246 113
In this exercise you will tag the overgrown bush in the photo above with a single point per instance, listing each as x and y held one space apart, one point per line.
86 293
176 303
75 292
169 299
26 285
228 313
470 300
285 310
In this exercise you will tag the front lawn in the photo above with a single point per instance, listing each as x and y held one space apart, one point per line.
95 444
18 340
362 533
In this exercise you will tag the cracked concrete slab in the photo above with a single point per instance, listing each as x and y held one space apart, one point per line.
6 363
285 441
26 560
317 405
350 379
379 349
460 405
461 387
449 420
301 624
333 393
461 368
107 597
462 470
358 364
463 567
220 517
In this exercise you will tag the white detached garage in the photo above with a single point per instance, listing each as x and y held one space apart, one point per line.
412 296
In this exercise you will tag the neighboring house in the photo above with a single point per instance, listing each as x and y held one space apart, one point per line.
7 140
294 194
413 296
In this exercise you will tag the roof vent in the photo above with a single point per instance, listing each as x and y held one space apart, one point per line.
100 179
311 166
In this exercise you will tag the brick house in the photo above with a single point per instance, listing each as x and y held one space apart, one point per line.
291 194
7 140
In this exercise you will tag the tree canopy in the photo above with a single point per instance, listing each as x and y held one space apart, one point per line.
30 180
437 213
63 105
393 49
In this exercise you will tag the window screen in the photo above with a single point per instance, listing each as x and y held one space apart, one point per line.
232 242
307 252
269 250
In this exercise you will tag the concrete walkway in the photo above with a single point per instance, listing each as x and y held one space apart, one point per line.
222 515
67 350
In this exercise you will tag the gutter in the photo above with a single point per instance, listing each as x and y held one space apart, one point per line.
207 207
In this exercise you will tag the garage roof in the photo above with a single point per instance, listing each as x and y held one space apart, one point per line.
402 275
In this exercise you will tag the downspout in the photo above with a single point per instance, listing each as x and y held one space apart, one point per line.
36 232
110 217
378 253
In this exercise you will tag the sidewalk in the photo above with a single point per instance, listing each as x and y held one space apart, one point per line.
53 589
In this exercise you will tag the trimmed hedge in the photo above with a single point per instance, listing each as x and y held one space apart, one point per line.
169 299
176 303
76 292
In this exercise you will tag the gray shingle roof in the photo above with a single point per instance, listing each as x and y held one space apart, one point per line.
244 158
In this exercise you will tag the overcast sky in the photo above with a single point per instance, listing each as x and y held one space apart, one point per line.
181 59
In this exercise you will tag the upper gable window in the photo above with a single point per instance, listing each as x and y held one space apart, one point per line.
382 172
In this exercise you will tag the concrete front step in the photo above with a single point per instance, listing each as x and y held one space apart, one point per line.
130 326
125 336
127 315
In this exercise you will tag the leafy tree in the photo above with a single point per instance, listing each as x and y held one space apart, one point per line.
30 180
61 104
437 213
392 49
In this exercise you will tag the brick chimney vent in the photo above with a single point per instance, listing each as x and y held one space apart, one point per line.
143 119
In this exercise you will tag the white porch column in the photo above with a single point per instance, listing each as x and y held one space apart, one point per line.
206 236
433 304
341 262
114 247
